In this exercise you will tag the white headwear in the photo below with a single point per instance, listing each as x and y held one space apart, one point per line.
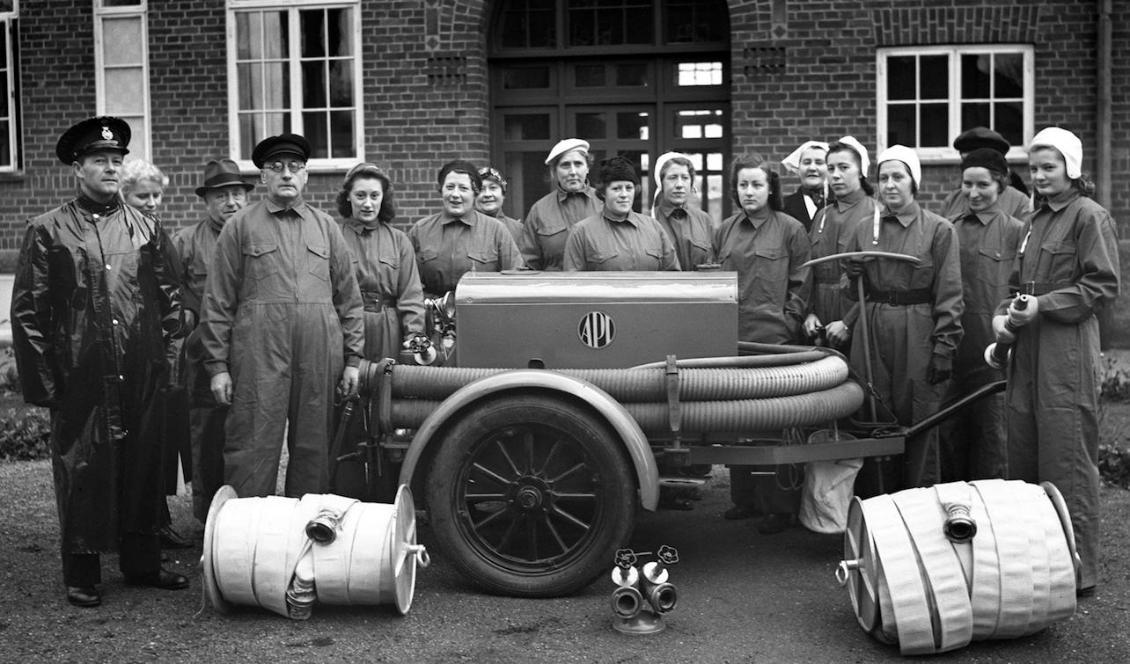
864 158
660 162
792 162
564 146
1068 145
905 155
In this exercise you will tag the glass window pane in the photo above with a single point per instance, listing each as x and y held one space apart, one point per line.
934 73
713 203
588 76
525 172
248 35
1009 121
125 91
632 125
341 133
314 128
339 32
139 139
341 83
713 162
639 24
121 41
5 148
901 81
698 73
610 28
581 27
975 76
975 115
312 25
314 84
902 124
525 78
591 125
3 45
1008 73
632 75
115 3
530 24
263 86
3 93
935 126
525 127
276 35
254 127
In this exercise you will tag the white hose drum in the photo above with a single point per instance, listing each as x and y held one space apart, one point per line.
284 554
933 569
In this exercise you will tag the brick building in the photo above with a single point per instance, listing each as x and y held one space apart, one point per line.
410 84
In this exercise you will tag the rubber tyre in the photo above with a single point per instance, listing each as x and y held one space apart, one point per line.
512 484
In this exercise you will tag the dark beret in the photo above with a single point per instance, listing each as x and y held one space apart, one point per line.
92 135
980 137
618 169
284 144
985 158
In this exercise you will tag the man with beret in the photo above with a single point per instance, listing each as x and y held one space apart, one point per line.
224 192
282 323
1014 199
94 304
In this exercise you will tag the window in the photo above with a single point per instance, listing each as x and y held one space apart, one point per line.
9 99
296 68
121 58
928 95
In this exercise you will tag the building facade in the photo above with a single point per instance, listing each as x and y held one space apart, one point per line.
410 84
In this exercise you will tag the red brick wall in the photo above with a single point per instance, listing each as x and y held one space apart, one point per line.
817 80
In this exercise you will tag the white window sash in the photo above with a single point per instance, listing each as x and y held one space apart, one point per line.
947 154
10 103
101 13
294 65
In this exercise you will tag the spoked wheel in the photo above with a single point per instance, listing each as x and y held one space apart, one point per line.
530 496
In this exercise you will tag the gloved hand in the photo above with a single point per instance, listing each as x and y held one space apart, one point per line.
1000 331
939 370
853 267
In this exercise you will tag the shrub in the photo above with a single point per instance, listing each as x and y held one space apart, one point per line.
25 433
1114 465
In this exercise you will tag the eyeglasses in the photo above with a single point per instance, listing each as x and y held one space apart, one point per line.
292 166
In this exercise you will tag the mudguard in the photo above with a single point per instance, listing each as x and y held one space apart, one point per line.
626 429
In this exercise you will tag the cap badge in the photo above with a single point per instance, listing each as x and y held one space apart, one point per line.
107 134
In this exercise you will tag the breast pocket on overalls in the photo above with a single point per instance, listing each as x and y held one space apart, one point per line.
1061 262
653 259
996 265
699 253
484 260
771 273
318 258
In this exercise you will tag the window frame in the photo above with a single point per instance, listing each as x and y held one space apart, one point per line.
102 11
947 154
7 24
294 60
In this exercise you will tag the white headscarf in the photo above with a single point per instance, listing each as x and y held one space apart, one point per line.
907 156
864 158
1068 145
792 162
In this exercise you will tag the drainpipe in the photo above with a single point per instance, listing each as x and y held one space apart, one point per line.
1103 165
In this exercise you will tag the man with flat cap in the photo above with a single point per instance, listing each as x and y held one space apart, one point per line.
1013 200
224 192
94 305
282 327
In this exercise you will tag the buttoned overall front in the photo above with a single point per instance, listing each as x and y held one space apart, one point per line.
923 320
601 244
767 252
448 247
690 230
548 222
95 293
282 312
1070 262
973 439
389 280
831 233
196 245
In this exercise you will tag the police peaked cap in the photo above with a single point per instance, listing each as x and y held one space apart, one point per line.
93 135
284 144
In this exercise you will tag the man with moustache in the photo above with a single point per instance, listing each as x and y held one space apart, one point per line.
94 304
224 193
282 321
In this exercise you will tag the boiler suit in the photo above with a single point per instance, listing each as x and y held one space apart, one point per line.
1069 261
600 244
831 232
548 223
196 245
448 247
690 230
767 252
913 313
282 312
973 439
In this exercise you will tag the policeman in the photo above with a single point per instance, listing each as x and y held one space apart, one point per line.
282 323
224 192
94 302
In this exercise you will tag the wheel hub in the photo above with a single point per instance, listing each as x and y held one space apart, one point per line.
530 494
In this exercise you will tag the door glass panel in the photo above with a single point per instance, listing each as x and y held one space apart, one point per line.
525 171
588 76
526 127
632 75
525 78
591 125
633 125
698 73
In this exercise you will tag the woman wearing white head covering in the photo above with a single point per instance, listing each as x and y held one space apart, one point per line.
847 163
689 228
1069 263
913 311
547 224
807 162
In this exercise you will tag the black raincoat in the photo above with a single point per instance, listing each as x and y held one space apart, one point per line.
94 300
